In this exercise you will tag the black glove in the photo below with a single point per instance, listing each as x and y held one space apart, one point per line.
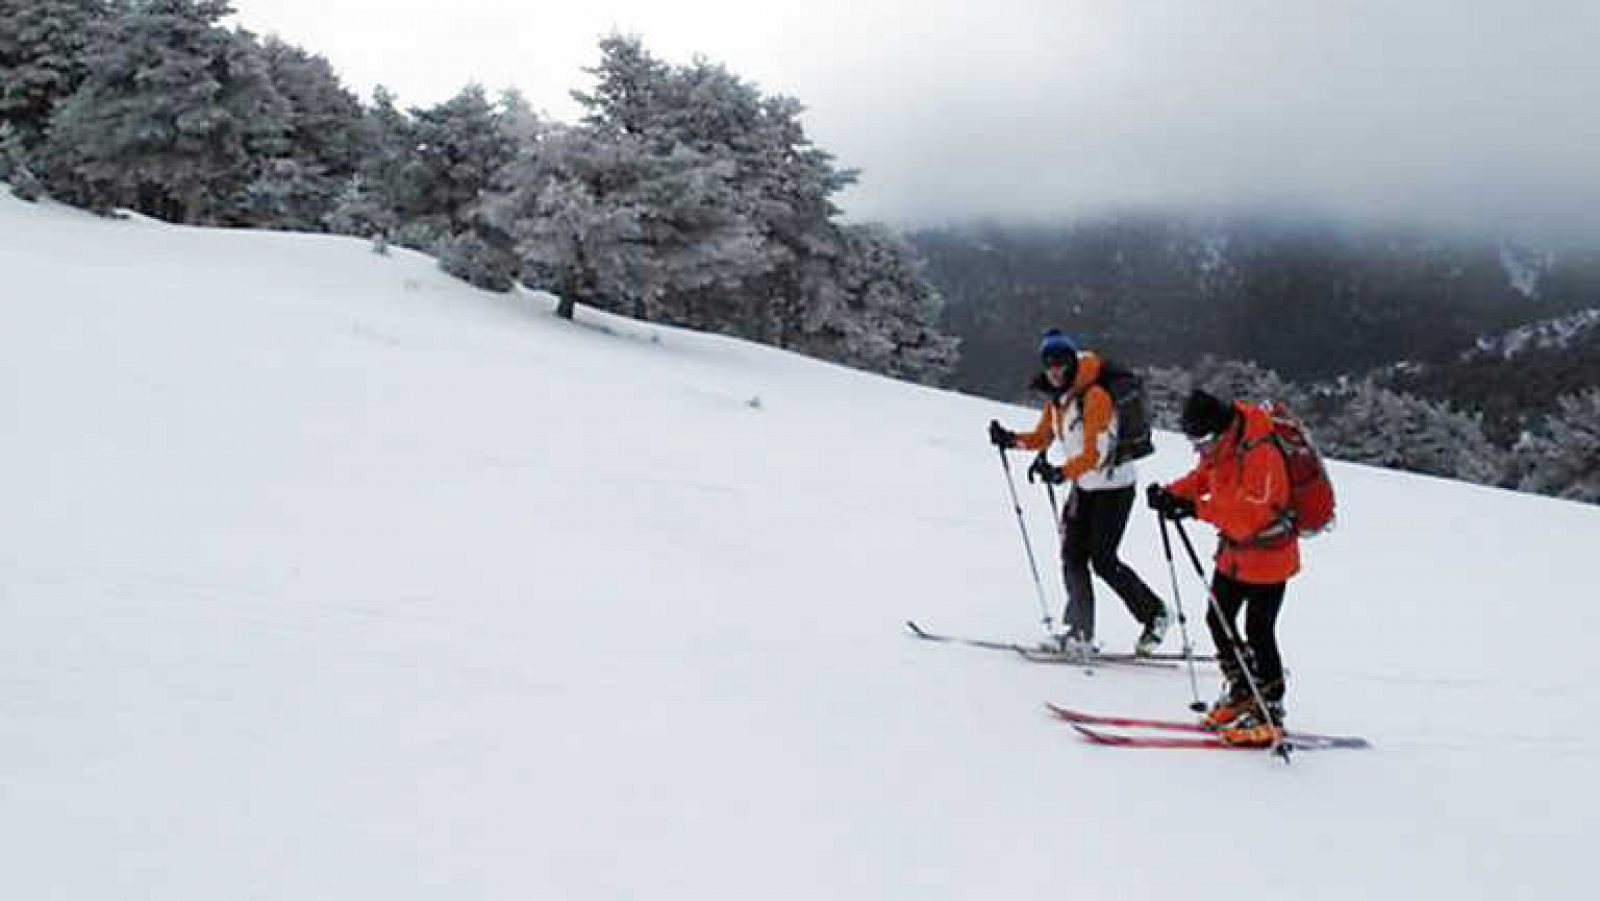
1041 469
1000 436
1156 497
1182 508
1168 504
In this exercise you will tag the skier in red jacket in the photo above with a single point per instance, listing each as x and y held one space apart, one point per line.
1241 486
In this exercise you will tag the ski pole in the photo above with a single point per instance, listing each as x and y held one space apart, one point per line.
1055 517
1033 566
1278 747
1196 705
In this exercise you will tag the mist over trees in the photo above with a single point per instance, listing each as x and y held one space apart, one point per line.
1399 349
1311 300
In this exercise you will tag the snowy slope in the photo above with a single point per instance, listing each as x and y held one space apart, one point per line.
323 576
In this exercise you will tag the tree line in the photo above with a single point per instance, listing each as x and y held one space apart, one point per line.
1364 421
1313 300
685 195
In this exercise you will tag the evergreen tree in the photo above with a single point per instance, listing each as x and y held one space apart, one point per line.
774 185
1365 423
369 204
1563 459
550 200
604 222
43 45
14 165
629 85
877 310
1244 380
455 149
172 117
1167 388
325 139
518 121
687 196
478 261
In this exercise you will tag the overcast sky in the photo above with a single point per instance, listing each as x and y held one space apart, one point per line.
1468 112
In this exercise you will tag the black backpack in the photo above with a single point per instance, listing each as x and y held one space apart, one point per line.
1126 388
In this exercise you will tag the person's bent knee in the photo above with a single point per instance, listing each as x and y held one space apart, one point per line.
1106 566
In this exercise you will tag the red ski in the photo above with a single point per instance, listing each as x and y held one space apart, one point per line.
1126 722
1162 741
1205 737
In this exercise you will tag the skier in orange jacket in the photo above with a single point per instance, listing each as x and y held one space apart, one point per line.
1080 415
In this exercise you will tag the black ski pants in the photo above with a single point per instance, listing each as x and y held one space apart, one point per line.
1261 604
1091 531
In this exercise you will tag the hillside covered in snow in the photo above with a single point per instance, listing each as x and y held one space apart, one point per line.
323 575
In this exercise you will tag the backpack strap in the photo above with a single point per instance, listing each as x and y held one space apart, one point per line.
1112 426
1282 526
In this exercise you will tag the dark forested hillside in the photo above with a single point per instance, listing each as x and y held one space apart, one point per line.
1514 380
1309 301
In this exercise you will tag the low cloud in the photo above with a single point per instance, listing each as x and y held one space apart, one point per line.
1468 113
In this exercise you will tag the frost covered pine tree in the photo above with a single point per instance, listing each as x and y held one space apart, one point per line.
171 117
369 204
1165 391
607 223
687 196
878 311
754 160
1369 424
454 149
781 184
665 181
43 44
325 140
1563 460
1167 388
1245 380
546 202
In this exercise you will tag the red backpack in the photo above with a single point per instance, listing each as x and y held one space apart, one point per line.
1310 492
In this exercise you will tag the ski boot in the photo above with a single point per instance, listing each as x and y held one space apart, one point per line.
1236 701
1255 730
1155 631
1074 648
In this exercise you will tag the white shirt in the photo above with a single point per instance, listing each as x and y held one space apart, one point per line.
1069 444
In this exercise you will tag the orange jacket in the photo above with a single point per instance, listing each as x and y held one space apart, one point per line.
1242 486
1097 409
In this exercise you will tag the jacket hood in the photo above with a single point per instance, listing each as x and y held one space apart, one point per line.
1088 371
1257 421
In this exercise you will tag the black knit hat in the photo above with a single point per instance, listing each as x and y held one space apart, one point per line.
1205 415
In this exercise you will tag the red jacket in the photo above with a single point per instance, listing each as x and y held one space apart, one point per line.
1241 486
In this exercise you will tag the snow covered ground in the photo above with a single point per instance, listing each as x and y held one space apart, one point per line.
323 576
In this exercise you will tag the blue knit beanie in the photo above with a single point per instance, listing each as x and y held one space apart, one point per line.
1055 345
